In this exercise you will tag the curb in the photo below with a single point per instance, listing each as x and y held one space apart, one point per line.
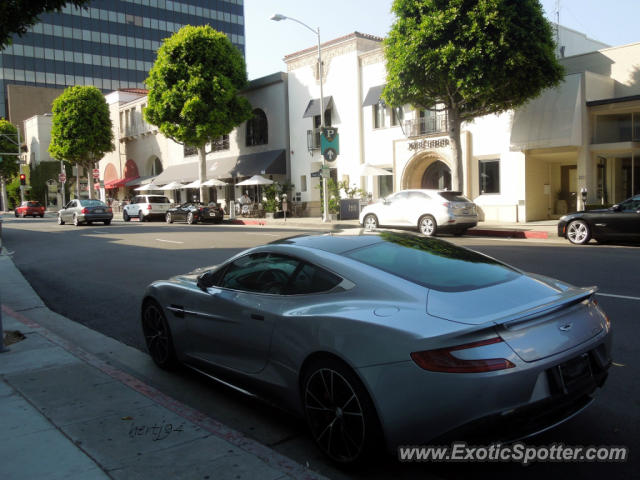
509 233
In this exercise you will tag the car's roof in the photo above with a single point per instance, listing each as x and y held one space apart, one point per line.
331 243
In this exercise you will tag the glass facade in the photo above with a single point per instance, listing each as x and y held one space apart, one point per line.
111 44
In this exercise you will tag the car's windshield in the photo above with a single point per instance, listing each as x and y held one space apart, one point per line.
433 263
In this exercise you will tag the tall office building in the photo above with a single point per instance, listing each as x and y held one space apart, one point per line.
111 44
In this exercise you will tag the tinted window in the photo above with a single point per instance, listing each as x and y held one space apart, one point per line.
312 279
433 263
631 205
454 197
33 204
139 200
259 272
158 200
91 203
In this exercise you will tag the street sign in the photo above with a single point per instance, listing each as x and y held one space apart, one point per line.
96 173
325 172
329 143
62 177
329 154
315 174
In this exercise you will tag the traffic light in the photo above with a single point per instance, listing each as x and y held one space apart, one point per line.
23 179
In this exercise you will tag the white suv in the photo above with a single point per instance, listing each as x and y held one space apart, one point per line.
429 211
146 207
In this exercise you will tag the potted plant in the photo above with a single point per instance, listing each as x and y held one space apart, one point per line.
270 199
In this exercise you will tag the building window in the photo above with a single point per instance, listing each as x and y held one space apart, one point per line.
378 115
396 116
623 127
303 183
257 129
220 144
385 184
489 174
313 136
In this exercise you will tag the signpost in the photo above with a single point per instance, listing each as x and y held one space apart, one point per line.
96 173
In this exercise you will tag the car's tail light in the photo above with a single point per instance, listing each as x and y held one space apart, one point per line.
149 207
85 210
109 210
441 359
446 204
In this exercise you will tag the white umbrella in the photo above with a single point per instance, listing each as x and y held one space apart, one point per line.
366 170
214 182
148 186
256 180
194 184
172 186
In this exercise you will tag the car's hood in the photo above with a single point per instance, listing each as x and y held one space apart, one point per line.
524 296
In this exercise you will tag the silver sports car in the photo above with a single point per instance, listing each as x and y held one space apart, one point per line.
387 337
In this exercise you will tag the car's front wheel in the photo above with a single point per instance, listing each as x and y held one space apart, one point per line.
157 336
76 222
125 216
339 412
191 219
60 220
169 218
578 232
427 225
370 222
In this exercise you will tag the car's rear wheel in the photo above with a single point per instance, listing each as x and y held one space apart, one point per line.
42 216
339 412
76 222
191 219
460 232
370 222
107 222
141 216
125 216
427 225
60 220
15 212
157 335
578 232
169 218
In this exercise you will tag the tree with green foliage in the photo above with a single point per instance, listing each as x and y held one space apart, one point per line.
9 165
194 90
81 130
475 57
16 16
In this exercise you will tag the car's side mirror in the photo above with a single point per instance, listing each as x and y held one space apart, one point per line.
616 208
205 281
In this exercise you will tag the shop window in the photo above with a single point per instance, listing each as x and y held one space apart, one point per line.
378 115
489 174
257 129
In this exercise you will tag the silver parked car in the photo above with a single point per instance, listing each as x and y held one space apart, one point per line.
81 211
429 211
387 336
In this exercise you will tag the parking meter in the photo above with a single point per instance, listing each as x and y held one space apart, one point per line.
285 206
583 194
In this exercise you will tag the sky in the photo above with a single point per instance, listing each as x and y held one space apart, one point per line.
614 22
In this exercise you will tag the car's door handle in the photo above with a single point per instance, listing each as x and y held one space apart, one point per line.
255 316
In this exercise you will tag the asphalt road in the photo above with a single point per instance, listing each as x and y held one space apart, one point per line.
95 275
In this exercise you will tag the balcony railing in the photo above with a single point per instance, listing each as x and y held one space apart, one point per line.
425 126
313 139
138 128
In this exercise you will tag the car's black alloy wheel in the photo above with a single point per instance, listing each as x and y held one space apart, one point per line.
339 412
158 336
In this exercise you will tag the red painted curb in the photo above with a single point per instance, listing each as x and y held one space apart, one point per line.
267 455
509 233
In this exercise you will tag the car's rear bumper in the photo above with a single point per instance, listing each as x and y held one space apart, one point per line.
494 406
95 217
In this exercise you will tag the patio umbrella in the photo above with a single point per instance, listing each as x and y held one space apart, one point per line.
172 186
214 182
148 186
194 184
369 170
256 180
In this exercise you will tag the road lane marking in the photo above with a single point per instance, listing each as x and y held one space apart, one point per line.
167 241
618 296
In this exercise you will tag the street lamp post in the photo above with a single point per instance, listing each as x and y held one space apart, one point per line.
325 196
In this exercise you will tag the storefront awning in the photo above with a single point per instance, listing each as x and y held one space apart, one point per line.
270 162
374 95
554 119
121 182
313 108
140 181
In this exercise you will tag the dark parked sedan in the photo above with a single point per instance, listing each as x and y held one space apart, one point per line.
194 212
620 222
85 211
390 337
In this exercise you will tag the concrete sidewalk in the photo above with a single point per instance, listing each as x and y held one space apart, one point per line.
66 412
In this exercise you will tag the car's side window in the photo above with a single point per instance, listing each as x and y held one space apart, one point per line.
631 205
312 279
259 272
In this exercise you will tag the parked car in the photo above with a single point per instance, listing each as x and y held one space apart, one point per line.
430 211
385 335
620 222
29 209
194 212
85 211
146 207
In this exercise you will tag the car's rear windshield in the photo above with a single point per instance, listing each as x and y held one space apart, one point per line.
159 200
91 203
454 197
433 263
33 204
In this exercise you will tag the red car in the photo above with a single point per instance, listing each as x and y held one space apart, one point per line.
33 209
